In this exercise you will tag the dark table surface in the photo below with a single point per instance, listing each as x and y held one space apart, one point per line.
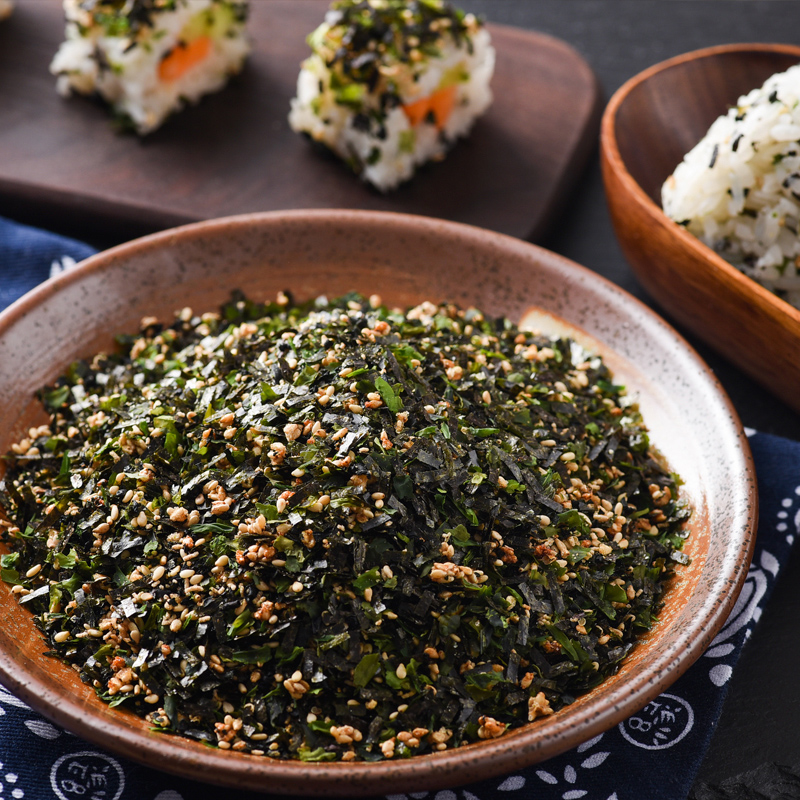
619 38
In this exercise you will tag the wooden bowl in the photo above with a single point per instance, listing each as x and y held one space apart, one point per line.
405 259
649 125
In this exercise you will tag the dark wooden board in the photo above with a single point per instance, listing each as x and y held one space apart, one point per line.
61 161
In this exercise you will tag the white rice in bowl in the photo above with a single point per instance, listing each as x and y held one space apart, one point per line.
738 190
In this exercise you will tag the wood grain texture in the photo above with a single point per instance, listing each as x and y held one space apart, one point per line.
648 126
235 153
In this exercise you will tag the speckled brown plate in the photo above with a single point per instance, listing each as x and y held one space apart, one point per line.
405 259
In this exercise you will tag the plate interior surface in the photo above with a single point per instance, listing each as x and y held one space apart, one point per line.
405 259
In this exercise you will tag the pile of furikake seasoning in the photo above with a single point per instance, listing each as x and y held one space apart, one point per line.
334 531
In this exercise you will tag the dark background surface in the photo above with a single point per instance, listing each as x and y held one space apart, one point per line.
619 38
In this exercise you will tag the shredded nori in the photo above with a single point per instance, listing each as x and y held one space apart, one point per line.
373 34
333 531
367 46
134 17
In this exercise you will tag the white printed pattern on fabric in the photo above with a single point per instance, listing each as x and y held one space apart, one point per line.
8 780
8 788
747 609
783 515
87 773
63 264
82 774
7 697
662 723
569 781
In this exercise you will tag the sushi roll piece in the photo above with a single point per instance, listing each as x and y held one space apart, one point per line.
391 84
147 58
6 7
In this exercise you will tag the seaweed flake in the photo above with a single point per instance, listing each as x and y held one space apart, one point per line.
336 531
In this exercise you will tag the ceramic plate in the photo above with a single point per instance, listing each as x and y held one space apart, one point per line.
405 259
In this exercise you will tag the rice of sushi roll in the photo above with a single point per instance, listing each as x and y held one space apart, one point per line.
6 7
391 84
738 189
147 58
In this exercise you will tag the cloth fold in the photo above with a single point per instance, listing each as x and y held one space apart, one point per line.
29 256
654 754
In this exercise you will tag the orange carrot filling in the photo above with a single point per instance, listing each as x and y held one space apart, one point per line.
440 104
182 58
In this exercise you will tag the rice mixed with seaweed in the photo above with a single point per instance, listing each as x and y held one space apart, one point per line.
149 58
391 84
738 189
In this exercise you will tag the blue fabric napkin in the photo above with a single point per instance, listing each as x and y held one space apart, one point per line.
29 256
655 754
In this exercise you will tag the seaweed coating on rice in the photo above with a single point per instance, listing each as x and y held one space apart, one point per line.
391 84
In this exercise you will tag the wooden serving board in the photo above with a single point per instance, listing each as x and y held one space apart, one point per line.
63 165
